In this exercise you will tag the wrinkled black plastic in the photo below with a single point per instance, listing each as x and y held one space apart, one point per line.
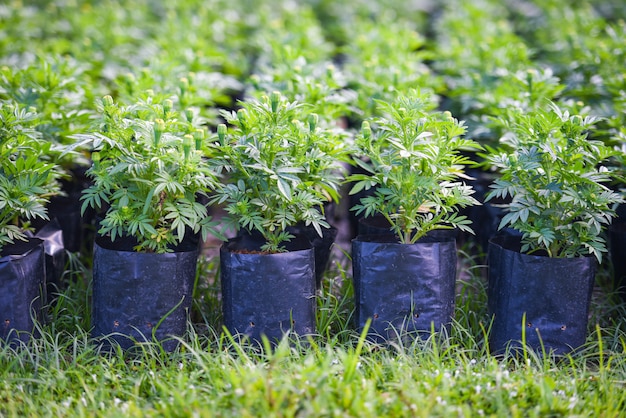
136 294
403 288
54 247
617 248
66 210
553 294
22 280
485 220
321 245
268 294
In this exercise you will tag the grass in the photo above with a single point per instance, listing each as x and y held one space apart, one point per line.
336 373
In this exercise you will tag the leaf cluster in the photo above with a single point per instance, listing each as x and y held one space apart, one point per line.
280 169
553 176
149 174
322 86
385 57
57 89
412 158
27 181
197 92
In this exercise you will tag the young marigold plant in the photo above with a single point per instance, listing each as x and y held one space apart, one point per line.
149 174
412 156
26 181
280 169
553 175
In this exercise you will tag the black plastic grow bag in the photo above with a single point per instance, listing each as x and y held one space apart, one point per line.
138 295
617 248
403 288
67 211
54 248
546 299
22 281
321 245
267 294
64 213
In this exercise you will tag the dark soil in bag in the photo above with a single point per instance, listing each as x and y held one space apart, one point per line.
378 225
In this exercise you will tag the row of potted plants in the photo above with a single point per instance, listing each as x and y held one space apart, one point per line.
274 171
333 71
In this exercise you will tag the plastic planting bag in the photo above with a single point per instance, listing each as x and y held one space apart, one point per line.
22 280
403 288
542 300
54 247
321 245
138 295
268 294
66 211
617 239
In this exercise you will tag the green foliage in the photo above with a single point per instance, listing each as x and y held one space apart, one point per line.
291 32
58 90
207 36
553 176
385 57
198 92
322 86
522 91
483 63
583 48
148 173
476 42
27 181
281 168
412 157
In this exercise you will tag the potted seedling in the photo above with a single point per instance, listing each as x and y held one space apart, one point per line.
384 57
280 169
26 185
540 280
405 280
57 88
522 91
149 176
